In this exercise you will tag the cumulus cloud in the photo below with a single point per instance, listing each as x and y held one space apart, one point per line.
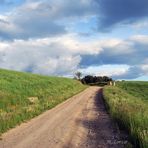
38 56
36 36
40 19
140 24
114 12
29 21
56 55
133 72
132 51
65 54
145 68
117 71
105 70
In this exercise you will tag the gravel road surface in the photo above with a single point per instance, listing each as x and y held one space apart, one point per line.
79 122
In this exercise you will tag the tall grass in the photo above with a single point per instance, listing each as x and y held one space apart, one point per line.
23 95
138 89
130 112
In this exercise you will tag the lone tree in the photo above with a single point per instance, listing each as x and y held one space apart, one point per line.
78 75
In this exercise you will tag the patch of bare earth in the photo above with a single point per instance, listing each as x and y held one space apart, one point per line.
80 122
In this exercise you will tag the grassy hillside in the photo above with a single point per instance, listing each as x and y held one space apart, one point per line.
137 89
24 95
129 110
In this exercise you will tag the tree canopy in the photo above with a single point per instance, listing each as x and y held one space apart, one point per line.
95 79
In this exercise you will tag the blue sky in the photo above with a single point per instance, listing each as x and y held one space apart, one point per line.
8 5
56 37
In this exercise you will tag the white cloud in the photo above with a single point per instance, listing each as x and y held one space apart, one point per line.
140 24
58 56
105 70
65 54
143 39
145 68
40 19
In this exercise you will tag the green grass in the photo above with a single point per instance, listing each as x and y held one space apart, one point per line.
137 89
24 96
129 110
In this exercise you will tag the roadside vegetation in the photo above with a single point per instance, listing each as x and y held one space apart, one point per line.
137 88
127 104
24 96
96 80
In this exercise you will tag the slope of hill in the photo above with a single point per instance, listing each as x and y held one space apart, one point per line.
138 89
24 95
127 103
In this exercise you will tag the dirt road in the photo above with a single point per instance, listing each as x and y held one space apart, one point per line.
80 122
